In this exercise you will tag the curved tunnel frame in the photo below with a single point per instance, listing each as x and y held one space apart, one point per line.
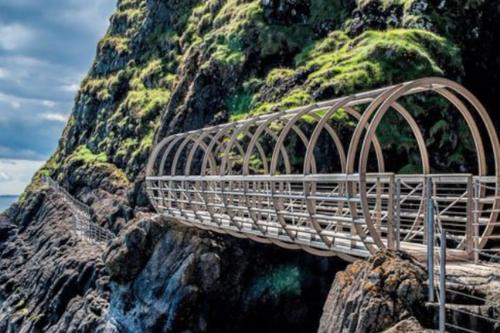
219 142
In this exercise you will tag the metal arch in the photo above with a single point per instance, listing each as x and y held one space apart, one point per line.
376 143
154 155
291 125
395 95
198 143
224 162
263 126
215 139
314 137
243 154
306 216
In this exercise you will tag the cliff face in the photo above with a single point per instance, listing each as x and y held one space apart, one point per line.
374 295
166 66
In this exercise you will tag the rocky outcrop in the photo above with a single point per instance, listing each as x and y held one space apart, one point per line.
166 278
410 325
157 276
374 295
50 280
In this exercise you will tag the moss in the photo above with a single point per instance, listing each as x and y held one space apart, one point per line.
146 143
338 65
296 97
126 147
152 69
83 153
142 103
105 88
332 43
117 43
278 75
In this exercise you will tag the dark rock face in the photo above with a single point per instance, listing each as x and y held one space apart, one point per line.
166 278
50 281
373 295
157 277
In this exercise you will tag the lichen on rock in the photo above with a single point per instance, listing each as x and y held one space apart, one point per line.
374 295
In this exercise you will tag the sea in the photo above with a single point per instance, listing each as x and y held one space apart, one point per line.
6 201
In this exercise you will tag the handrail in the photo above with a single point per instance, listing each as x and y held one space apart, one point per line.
82 224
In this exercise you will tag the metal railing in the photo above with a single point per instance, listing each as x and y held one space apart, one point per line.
483 312
82 224
322 213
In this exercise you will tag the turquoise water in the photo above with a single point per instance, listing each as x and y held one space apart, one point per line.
6 201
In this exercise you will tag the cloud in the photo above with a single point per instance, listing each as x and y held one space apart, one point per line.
15 175
49 104
15 36
3 73
46 48
13 101
4 177
56 117
70 87
16 101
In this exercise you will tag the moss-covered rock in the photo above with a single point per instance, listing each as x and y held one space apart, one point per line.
338 65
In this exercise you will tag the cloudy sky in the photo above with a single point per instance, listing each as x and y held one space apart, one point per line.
46 47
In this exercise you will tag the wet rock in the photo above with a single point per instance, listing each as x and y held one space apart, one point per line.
168 278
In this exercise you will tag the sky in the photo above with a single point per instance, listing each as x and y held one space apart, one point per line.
46 48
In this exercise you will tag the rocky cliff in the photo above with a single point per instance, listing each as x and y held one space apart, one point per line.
166 66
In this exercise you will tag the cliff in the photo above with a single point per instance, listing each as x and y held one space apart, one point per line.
169 66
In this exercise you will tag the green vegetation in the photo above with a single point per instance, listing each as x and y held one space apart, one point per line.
83 153
119 44
338 65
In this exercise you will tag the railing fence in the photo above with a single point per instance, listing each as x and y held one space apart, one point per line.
479 200
82 224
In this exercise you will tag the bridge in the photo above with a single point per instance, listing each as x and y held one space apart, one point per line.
319 177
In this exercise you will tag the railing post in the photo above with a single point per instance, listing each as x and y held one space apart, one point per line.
476 197
429 233
391 232
442 283
469 228
398 214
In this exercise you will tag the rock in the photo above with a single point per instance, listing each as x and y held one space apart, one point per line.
374 295
128 254
286 11
410 325
50 280
169 278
